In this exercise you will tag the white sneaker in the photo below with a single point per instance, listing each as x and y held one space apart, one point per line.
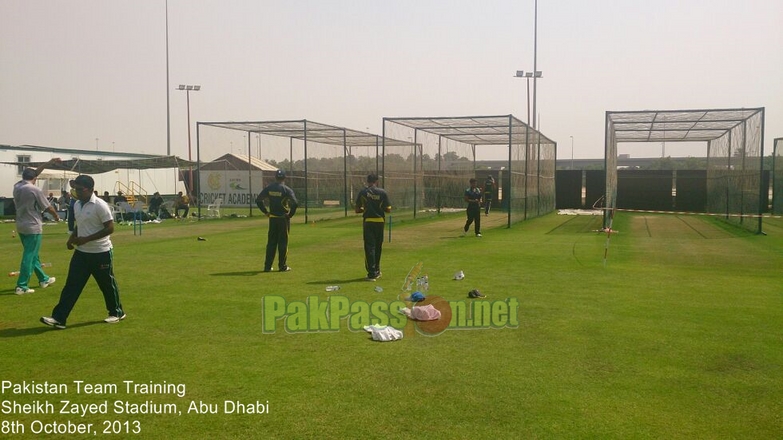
21 291
48 282
464 233
478 235
114 319
51 322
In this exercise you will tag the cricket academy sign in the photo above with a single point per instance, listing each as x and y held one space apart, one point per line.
233 186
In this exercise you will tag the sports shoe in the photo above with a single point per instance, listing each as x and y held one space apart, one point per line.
478 235
51 322
464 233
22 290
475 294
286 269
114 319
48 282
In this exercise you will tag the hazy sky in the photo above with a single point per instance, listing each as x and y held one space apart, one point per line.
72 71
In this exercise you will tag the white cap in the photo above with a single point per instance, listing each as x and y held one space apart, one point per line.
459 275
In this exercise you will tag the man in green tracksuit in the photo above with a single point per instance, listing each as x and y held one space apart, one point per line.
30 202
282 206
374 203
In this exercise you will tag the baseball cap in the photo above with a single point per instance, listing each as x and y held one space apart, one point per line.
459 275
280 174
416 297
83 180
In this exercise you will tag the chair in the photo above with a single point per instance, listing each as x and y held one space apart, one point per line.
133 212
138 206
116 212
213 209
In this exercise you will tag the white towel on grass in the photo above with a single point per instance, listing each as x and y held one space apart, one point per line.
383 333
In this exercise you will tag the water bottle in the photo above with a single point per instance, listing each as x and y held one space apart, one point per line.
13 233
378 289
332 288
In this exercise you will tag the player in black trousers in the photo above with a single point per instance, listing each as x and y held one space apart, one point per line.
374 203
489 192
473 198
282 206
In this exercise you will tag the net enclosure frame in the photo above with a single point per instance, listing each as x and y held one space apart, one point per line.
735 155
528 184
777 176
305 136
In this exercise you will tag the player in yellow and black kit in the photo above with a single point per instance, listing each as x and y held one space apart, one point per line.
374 203
282 206
473 198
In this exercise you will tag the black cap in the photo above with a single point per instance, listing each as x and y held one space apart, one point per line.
280 174
84 180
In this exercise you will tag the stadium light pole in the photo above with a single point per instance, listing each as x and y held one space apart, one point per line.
572 152
527 76
535 60
168 98
188 88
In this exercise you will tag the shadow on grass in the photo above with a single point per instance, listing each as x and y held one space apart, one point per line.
17 332
246 273
335 281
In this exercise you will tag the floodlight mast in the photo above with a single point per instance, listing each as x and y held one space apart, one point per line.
188 88
535 59
528 75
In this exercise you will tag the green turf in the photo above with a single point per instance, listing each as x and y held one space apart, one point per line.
677 334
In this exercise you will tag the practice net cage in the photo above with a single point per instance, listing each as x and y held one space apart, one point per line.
325 165
735 152
777 177
431 175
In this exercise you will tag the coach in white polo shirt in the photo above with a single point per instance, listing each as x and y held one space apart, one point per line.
93 255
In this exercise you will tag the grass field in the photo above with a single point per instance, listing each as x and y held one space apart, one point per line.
677 335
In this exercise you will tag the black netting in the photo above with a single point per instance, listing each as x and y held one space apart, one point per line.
777 177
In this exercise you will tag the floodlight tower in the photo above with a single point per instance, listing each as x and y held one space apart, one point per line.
535 59
528 75
188 89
